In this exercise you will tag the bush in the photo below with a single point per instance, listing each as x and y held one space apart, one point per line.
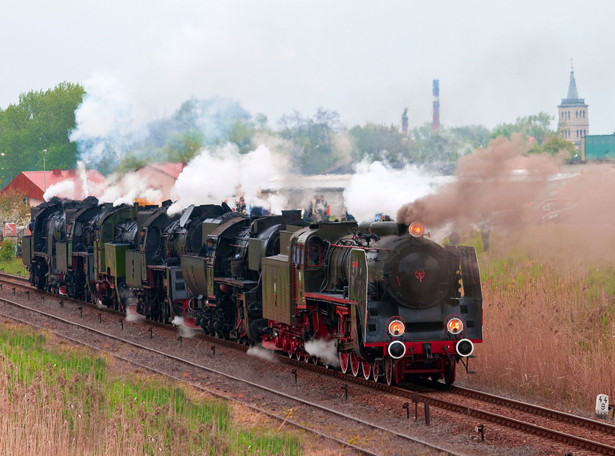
7 250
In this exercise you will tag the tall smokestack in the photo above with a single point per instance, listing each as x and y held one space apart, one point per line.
435 124
404 122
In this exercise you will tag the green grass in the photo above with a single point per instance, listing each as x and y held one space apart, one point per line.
14 266
161 417
600 280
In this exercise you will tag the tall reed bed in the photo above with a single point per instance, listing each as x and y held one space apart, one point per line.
549 315
63 400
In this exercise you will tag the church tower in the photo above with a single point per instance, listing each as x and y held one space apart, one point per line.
573 119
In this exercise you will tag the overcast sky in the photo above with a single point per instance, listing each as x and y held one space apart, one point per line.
368 60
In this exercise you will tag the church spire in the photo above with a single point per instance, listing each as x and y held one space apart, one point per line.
573 95
572 88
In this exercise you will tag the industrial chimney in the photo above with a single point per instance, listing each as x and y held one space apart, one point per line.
435 124
404 122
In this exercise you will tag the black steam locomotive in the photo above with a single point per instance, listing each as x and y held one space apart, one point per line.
385 300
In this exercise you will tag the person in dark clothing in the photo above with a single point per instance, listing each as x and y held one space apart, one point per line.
241 206
454 238
484 235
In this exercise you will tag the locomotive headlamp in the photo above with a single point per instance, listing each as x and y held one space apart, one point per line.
396 328
416 229
397 349
454 325
464 347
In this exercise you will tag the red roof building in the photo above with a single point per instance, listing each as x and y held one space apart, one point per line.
161 177
74 184
169 169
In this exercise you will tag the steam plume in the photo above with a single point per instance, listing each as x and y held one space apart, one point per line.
217 174
498 181
378 188
325 350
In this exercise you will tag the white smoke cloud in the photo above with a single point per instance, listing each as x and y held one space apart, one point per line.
63 189
118 118
325 350
128 188
108 122
215 175
76 185
82 176
378 188
262 353
185 331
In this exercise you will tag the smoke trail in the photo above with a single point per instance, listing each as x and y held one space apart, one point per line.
325 350
77 185
112 124
493 183
63 189
378 188
215 175
107 122
184 331
262 353
128 188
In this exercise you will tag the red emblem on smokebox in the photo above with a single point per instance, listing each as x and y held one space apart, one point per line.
420 274
355 264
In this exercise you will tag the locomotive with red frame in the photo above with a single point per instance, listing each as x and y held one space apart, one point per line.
396 304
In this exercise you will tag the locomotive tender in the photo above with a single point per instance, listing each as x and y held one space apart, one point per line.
392 303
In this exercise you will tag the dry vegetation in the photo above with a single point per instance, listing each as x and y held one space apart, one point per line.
549 314
63 400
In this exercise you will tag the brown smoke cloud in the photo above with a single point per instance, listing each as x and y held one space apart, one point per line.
493 185
589 197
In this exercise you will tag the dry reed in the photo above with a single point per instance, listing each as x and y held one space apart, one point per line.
549 316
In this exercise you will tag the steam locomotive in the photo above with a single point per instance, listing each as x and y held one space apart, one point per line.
390 303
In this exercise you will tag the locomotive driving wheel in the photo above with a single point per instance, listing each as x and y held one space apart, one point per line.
390 371
366 366
343 361
376 371
355 364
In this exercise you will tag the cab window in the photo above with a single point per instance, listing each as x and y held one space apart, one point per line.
295 254
314 252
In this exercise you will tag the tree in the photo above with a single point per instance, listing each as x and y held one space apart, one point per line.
381 142
536 126
41 120
242 134
473 135
14 209
314 139
557 145
261 121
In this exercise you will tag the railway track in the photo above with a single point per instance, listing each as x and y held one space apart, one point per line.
304 411
595 437
582 433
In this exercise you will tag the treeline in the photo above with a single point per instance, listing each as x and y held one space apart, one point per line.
40 121
316 143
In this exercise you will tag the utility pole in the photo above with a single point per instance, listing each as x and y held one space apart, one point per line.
45 169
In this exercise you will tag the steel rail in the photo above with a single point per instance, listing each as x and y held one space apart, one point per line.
234 378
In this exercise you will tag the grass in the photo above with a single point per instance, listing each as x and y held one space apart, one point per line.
58 399
14 266
549 315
